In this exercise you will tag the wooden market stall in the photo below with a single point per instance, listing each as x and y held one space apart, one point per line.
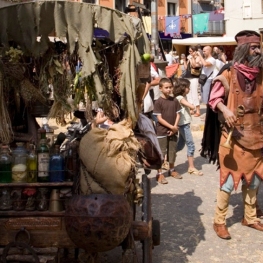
51 51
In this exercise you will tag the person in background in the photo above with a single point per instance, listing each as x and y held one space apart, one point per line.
221 54
182 66
181 89
152 87
159 54
175 57
215 50
208 63
168 57
101 120
193 61
167 108
199 48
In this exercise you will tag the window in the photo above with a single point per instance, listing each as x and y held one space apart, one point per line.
172 6
90 1
247 14
147 3
120 5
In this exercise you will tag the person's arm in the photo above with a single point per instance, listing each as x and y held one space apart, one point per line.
147 87
216 102
229 116
187 104
205 63
173 128
195 63
100 117
223 58
164 122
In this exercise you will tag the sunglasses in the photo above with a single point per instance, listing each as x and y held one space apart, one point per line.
254 47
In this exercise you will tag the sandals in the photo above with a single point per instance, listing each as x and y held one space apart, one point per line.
161 179
174 174
165 165
194 171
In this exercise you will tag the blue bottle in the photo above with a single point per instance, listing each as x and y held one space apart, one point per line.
56 166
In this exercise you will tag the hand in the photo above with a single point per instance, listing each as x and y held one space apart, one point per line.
174 129
230 118
189 57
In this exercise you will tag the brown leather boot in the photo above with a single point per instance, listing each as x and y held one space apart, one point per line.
256 225
221 231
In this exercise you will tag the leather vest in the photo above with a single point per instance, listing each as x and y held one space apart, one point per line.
248 130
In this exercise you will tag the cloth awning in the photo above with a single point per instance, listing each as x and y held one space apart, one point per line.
205 41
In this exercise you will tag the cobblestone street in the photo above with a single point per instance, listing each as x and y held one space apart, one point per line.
185 209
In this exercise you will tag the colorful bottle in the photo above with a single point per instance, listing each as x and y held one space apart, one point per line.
32 165
56 166
43 161
5 165
19 167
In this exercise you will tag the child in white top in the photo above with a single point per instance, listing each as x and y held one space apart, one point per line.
181 89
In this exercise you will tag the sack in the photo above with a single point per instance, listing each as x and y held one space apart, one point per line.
148 154
147 103
202 79
109 157
196 71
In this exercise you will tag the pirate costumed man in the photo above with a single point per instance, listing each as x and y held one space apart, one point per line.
236 100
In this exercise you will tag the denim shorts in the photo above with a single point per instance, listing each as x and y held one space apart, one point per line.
186 138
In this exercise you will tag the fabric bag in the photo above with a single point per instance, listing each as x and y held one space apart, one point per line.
147 103
203 78
148 154
196 71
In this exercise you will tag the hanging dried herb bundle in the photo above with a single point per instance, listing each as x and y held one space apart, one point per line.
6 133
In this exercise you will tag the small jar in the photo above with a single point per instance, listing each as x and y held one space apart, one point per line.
5 199
19 166
30 194
18 199
42 199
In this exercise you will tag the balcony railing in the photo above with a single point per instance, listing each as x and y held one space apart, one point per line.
216 28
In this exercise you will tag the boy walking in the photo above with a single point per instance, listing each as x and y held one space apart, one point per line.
166 109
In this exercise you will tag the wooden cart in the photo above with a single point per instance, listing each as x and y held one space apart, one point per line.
109 48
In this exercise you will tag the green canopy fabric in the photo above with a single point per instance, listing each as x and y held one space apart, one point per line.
26 23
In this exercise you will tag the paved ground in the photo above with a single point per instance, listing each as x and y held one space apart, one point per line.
185 209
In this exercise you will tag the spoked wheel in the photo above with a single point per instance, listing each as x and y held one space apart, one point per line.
147 230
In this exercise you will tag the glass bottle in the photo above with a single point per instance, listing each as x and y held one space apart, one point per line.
5 165
5 199
42 199
41 134
19 166
56 166
32 165
43 161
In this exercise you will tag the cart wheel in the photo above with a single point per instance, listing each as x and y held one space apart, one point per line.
147 244
156 232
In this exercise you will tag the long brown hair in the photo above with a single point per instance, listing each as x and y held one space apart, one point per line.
180 86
